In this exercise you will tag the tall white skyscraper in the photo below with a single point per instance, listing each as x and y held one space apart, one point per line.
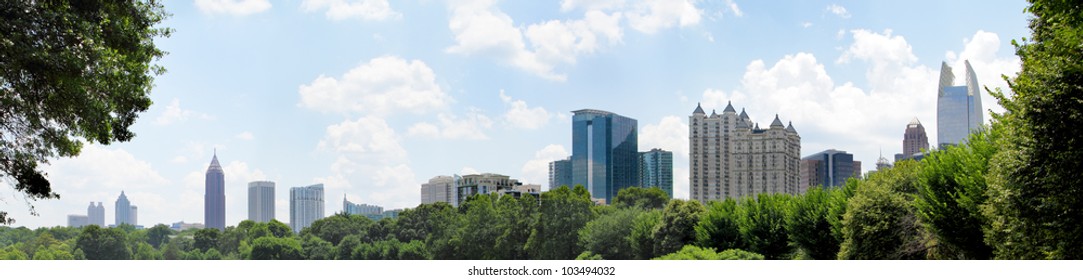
306 206
958 108
261 201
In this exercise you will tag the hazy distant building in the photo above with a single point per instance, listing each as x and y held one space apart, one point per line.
124 211
730 156
830 168
214 197
77 220
95 214
656 170
133 216
306 206
882 163
440 189
484 183
261 201
178 226
560 173
360 209
958 108
915 141
605 152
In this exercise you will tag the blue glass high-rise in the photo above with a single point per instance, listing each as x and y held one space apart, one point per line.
605 152
958 108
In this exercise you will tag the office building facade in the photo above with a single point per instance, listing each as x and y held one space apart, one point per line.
261 201
958 108
214 196
96 214
731 157
605 152
485 183
830 168
123 213
656 170
306 206
440 189
560 173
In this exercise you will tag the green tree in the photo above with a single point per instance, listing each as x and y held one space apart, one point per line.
344 249
1035 202
517 218
562 213
718 228
158 235
145 251
103 244
316 248
678 226
809 226
646 198
71 71
435 224
12 253
479 230
275 248
692 252
206 239
880 223
608 235
338 226
951 190
642 237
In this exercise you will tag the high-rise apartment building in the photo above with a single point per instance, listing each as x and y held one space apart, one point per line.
306 206
560 173
440 189
373 212
605 152
214 196
830 168
656 170
261 201
95 214
730 156
483 184
123 213
77 221
958 108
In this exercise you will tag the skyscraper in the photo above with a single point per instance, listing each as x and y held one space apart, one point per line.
373 212
77 221
261 201
560 173
914 139
214 197
306 206
133 215
440 189
95 214
656 170
730 156
829 168
123 210
958 108
605 152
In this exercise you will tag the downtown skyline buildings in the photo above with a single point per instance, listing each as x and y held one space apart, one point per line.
605 152
306 206
214 197
958 108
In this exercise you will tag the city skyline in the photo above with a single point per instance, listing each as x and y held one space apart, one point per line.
281 91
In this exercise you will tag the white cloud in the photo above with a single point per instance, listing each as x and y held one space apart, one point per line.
670 134
568 5
733 7
520 115
468 170
838 11
536 170
806 24
981 50
98 168
368 138
471 127
174 114
247 136
374 10
652 15
887 54
233 7
382 86
480 28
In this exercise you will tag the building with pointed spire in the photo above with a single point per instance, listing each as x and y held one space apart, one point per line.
214 196
915 141
731 157
124 212
958 108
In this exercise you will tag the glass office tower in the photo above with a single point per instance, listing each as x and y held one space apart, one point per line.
958 108
605 156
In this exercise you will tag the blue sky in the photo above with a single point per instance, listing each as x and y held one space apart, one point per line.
374 97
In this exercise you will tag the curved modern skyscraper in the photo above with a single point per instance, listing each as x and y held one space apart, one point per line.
958 108
214 198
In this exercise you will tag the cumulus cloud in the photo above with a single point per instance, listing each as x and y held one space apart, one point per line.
838 11
471 127
247 136
98 167
382 86
175 114
536 170
650 16
364 138
981 50
369 10
233 7
520 115
841 115
670 134
480 28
